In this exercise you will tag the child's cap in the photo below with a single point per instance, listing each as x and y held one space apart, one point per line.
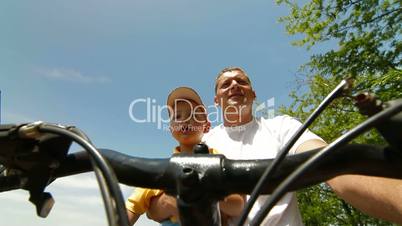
183 93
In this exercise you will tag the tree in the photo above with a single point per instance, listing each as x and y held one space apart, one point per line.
366 30
368 37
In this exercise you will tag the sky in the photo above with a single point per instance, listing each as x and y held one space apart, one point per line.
104 66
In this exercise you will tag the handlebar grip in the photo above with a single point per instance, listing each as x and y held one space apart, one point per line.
129 170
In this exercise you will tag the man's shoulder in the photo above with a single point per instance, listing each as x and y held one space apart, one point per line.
279 120
271 120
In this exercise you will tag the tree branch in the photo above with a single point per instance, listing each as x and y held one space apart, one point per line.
350 3
367 22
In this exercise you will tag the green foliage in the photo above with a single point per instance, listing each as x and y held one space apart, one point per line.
368 33
341 115
320 206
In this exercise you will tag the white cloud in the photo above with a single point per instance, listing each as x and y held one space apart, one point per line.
85 181
82 181
77 202
71 75
20 196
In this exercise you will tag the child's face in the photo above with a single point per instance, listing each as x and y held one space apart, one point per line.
188 122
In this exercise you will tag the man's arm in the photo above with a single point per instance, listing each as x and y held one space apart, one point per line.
376 196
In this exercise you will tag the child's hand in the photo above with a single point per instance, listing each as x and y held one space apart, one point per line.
162 207
170 203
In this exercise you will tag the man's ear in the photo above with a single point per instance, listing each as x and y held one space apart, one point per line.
207 126
254 95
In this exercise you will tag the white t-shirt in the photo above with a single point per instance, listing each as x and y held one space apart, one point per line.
262 139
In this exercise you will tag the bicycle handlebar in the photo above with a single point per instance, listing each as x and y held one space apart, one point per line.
225 176
221 175
197 180
212 177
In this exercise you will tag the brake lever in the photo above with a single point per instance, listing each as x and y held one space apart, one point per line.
35 156
390 129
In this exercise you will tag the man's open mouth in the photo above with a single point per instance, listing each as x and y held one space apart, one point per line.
236 95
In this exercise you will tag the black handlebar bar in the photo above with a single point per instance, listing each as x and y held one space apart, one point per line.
212 177
208 177
223 176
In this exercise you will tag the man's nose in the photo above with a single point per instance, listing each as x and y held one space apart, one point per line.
234 85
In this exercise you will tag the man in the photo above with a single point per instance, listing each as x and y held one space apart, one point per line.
242 136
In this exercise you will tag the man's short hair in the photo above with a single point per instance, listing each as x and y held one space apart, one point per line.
229 69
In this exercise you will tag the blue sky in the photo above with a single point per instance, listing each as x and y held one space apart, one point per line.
83 62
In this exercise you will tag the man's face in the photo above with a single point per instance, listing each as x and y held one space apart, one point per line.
234 89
